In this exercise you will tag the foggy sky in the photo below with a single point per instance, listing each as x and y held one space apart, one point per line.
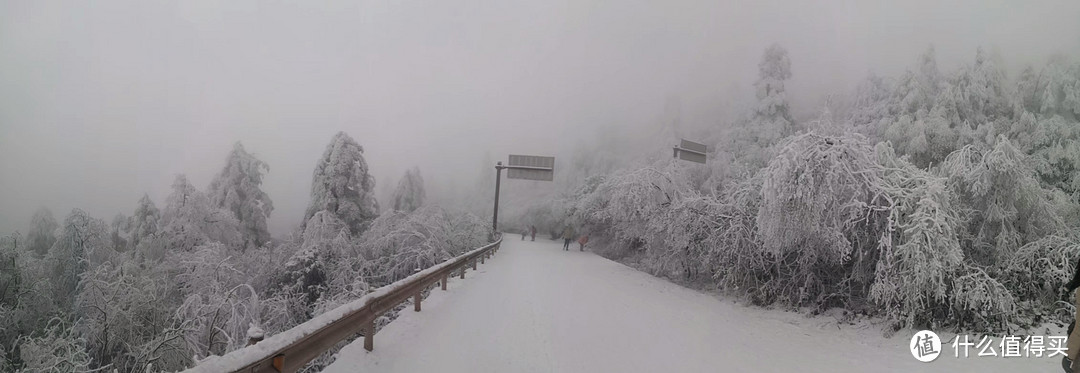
102 101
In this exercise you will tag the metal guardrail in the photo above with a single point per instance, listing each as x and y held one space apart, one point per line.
291 350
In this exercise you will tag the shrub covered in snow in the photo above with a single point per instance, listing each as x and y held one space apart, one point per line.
819 220
56 348
919 252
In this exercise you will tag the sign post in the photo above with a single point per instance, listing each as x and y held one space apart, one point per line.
495 215
528 167
690 151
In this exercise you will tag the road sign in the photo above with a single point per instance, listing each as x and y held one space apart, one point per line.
690 151
530 167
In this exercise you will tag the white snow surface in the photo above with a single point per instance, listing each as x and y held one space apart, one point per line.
536 308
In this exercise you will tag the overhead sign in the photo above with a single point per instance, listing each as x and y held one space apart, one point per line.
530 167
690 151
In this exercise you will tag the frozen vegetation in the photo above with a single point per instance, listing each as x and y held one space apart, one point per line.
933 199
165 288
536 308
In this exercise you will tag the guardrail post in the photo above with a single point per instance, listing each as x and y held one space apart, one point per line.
352 323
369 335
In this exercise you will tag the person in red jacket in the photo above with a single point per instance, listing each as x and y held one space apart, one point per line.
582 241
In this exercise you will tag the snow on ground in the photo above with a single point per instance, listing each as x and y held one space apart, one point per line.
536 308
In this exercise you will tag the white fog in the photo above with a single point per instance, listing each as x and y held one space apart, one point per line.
946 195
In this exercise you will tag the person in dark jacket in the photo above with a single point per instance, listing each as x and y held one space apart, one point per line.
567 235
532 229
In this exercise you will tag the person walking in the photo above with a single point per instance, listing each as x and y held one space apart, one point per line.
582 241
567 235
532 228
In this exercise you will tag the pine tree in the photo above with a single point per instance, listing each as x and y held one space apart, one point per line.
189 220
236 189
770 120
772 114
342 185
409 194
42 233
145 223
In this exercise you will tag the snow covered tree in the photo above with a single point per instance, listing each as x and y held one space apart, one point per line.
736 252
219 306
126 319
1035 271
42 233
83 241
324 240
120 232
928 76
236 189
922 114
56 348
821 201
870 104
409 194
982 93
920 252
144 224
1055 149
1010 207
1054 91
632 208
399 243
342 185
770 120
1026 89
10 275
28 303
929 115
189 220
772 113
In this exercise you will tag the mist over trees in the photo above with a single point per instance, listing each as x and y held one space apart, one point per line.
165 288
236 189
42 232
940 199
931 199
409 194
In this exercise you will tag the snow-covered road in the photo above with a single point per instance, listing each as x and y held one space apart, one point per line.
536 308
